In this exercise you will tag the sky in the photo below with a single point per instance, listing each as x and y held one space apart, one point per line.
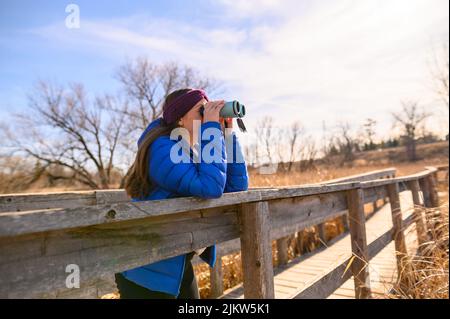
317 62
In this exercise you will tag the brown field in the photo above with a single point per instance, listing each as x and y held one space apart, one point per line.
431 154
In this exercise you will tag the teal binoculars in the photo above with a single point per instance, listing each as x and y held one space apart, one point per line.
230 109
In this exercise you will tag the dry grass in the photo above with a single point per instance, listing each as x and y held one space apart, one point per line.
326 172
310 239
231 267
425 274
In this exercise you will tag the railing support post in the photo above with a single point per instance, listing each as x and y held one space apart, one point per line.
299 242
425 187
434 197
345 222
282 250
397 221
418 212
256 250
429 200
322 235
357 225
375 205
216 279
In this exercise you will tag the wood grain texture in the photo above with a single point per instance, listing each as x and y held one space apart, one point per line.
398 235
256 251
357 221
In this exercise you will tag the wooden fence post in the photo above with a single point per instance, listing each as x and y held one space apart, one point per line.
345 222
299 242
322 235
418 212
256 251
397 221
282 250
216 279
430 197
357 224
434 197
375 206
425 187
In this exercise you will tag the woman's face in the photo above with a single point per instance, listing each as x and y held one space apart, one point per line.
187 121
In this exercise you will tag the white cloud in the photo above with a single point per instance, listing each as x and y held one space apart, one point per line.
314 61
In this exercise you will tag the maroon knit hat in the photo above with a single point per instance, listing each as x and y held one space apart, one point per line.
182 104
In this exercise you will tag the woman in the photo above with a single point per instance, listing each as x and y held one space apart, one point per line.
154 175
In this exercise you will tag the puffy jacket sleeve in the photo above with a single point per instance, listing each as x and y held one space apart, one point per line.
237 176
205 179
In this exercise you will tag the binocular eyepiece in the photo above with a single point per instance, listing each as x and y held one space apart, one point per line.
230 109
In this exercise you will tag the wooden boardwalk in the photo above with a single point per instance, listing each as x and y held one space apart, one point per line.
101 233
301 272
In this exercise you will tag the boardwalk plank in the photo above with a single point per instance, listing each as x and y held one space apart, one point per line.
301 272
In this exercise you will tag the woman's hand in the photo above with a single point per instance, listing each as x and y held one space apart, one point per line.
212 110
229 124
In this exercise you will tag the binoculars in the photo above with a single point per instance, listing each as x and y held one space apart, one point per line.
230 109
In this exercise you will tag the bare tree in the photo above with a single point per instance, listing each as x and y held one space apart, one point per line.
369 130
294 135
409 121
147 85
94 138
16 173
62 129
346 141
328 147
265 136
308 153
251 157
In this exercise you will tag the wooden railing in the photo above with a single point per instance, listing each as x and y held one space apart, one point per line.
103 233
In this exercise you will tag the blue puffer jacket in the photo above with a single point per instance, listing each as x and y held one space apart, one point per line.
205 180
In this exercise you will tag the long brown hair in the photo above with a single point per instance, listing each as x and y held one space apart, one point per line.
137 182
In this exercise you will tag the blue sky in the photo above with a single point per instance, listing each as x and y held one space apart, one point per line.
312 61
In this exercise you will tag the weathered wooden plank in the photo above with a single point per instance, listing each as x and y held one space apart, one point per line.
425 188
291 215
434 197
104 243
30 201
256 251
102 250
216 279
312 286
358 237
282 250
306 190
385 182
377 245
418 212
43 201
397 221
383 173
333 279
16 223
373 194
345 222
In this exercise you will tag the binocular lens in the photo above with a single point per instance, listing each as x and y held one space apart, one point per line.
242 114
230 109
237 108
